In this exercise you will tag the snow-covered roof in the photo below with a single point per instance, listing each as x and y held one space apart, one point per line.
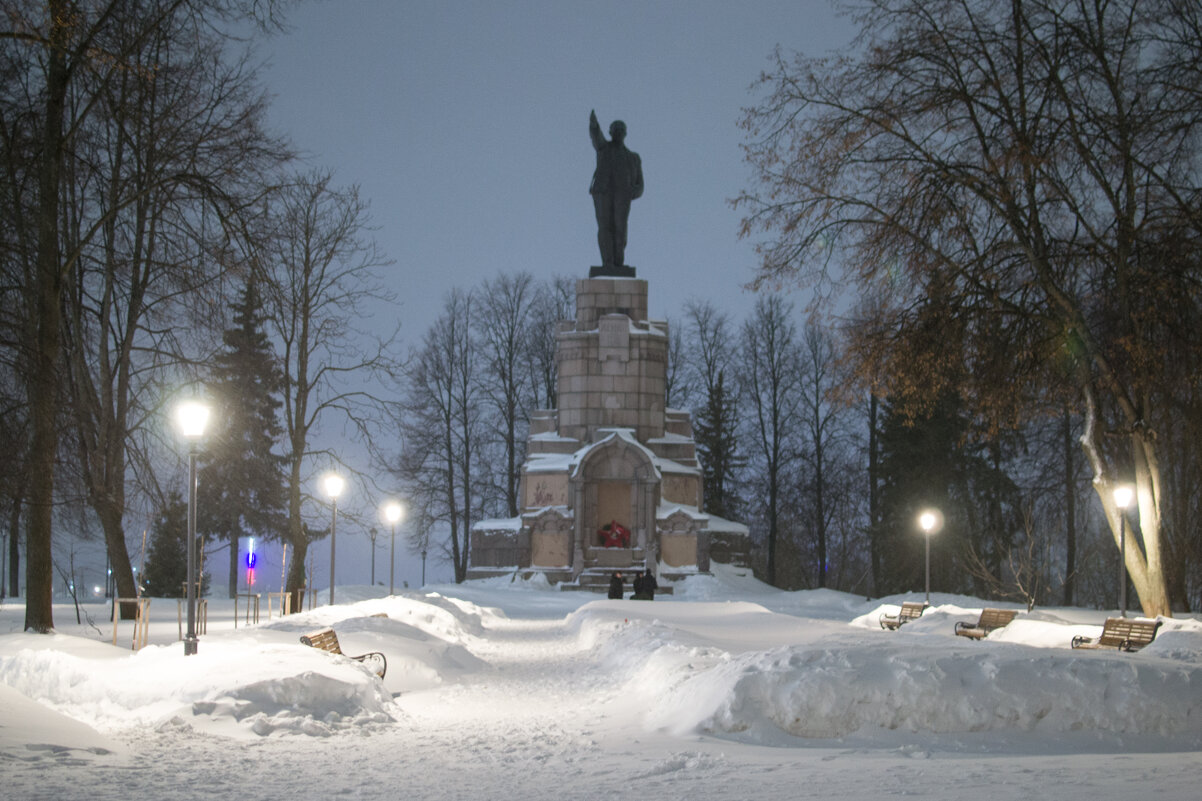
722 525
714 523
605 437
666 510
552 436
559 509
670 439
570 462
498 524
642 328
549 462
676 468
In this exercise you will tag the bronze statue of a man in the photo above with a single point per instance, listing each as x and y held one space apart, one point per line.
617 181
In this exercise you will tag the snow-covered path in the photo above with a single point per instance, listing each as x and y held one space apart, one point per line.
596 702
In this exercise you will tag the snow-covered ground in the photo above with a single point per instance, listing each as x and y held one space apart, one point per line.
496 690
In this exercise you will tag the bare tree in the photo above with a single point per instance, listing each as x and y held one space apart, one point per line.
552 304
61 60
712 340
820 416
14 480
442 425
681 389
320 274
502 324
1031 167
768 379
151 165
1025 572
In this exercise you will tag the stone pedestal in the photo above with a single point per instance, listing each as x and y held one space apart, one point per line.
613 364
609 452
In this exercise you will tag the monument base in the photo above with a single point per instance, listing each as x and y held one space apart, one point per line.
624 271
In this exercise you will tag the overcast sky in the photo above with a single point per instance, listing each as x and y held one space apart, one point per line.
465 124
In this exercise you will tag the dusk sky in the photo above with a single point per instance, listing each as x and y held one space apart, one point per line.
465 124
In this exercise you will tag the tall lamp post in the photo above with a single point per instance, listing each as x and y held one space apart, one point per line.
1122 499
928 521
333 484
392 513
191 417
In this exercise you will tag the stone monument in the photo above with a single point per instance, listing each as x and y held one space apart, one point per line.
610 457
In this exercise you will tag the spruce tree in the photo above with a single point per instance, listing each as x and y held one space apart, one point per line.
919 460
934 460
717 447
241 483
167 555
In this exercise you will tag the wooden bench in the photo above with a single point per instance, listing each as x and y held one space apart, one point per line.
910 610
327 640
1125 634
990 619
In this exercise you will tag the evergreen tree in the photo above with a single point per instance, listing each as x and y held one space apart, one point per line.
919 461
932 461
167 555
241 484
717 445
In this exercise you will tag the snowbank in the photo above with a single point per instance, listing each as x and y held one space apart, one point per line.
726 656
257 680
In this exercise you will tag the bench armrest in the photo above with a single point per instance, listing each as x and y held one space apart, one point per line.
374 656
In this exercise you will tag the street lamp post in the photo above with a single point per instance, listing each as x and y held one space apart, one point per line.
372 534
191 416
392 513
928 520
333 484
423 567
1122 499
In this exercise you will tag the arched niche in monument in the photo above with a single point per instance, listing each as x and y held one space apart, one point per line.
616 481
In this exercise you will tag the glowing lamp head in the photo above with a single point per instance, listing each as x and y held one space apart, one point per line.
333 484
393 512
1122 496
927 521
191 417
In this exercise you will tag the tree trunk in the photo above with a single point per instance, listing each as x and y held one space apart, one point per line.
874 508
296 574
1144 560
110 514
1070 514
14 545
42 378
296 531
820 507
773 523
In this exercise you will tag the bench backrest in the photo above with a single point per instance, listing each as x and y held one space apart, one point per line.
911 610
326 640
996 618
1136 633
